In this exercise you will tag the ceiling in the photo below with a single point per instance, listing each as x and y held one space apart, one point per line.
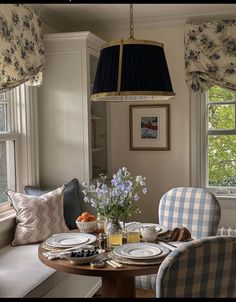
81 15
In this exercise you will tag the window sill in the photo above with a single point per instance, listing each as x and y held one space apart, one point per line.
232 196
7 215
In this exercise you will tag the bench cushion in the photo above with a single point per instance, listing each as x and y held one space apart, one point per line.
22 273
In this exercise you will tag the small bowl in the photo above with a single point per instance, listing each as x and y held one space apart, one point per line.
86 227
82 260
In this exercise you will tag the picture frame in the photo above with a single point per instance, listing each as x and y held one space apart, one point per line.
149 127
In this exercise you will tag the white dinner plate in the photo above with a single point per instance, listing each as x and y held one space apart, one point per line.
141 251
65 240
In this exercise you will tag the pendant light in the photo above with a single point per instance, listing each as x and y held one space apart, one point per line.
132 70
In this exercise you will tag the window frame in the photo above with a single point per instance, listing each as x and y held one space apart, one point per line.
199 134
9 136
228 190
23 130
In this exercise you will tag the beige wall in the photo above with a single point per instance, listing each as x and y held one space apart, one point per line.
163 169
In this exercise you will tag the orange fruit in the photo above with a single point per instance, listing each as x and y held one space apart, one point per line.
92 218
85 215
84 220
79 218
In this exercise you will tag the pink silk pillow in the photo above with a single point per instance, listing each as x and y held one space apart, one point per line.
38 217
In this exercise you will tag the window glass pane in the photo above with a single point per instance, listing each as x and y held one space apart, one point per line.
222 160
221 117
219 94
7 168
3 117
3 172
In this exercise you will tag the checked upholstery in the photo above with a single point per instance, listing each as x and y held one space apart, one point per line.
194 208
201 268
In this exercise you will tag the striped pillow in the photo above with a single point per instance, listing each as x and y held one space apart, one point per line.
38 217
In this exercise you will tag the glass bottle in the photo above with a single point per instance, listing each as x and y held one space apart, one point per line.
114 233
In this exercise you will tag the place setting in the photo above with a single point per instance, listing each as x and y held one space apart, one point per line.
79 248
141 253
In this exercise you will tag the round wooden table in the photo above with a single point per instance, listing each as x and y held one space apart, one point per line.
115 282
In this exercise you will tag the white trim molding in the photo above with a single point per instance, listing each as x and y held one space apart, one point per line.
25 122
197 140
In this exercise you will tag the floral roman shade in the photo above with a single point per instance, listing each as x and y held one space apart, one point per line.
210 54
21 46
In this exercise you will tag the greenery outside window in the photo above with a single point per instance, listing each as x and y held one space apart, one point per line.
7 151
213 141
221 140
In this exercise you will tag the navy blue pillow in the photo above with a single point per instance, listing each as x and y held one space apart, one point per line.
72 206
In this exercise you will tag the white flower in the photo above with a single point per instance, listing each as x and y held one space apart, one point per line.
92 187
144 190
84 184
139 178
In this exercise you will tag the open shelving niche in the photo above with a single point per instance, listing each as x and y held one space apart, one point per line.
98 117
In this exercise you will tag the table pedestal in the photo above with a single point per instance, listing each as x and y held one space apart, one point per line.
118 286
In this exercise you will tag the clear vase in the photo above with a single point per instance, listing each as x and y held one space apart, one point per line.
114 233
101 223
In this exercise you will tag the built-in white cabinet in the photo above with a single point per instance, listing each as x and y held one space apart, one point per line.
72 129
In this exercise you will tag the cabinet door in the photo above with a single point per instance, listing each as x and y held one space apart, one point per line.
98 129
60 124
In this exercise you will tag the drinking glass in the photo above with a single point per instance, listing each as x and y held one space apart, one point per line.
133 236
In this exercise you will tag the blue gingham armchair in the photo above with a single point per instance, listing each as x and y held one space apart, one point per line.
201 268
194 208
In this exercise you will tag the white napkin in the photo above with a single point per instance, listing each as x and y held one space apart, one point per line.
61 254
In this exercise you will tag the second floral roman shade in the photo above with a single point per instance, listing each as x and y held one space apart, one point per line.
210 54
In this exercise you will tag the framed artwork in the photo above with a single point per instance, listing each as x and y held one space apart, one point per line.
149 127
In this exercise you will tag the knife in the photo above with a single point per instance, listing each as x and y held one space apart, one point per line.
168 245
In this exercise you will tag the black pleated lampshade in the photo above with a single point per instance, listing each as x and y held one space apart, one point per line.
132 70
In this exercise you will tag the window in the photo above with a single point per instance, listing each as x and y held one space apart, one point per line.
221 139
213 140
7 150
18 141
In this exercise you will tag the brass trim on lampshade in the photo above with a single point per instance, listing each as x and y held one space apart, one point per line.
149 94
132 70
132 41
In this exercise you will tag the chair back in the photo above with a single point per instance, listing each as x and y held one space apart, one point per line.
200 268
194 208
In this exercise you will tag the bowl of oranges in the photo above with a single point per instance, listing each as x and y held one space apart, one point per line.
86 222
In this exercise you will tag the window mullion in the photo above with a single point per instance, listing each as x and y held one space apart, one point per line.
222 132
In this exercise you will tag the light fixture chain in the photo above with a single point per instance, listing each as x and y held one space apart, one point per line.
131 22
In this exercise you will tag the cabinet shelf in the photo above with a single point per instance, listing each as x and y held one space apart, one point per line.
94 117
97 149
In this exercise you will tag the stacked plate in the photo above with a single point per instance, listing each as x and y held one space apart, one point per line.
67 240
142 253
